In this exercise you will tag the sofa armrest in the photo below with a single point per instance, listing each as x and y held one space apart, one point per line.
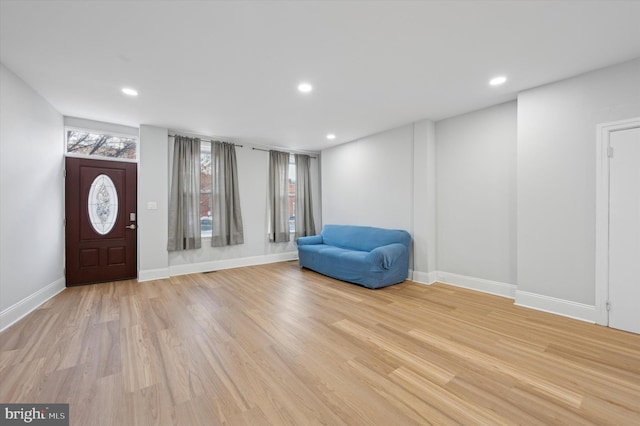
386 256
312 239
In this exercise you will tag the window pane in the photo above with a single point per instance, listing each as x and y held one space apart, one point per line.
206 186
101 145
102 204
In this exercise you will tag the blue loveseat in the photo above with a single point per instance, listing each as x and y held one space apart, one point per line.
371 257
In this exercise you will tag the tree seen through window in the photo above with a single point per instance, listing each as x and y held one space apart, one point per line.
101 145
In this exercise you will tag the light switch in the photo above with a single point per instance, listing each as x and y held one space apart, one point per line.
152 205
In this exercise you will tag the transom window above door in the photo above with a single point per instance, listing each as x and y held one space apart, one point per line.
97 144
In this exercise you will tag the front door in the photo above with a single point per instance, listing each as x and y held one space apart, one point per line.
100 204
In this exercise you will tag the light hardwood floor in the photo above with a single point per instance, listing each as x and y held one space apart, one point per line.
278 345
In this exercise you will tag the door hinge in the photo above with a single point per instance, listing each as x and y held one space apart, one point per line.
610 152
608 305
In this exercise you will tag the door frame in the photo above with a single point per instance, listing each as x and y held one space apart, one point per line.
603 133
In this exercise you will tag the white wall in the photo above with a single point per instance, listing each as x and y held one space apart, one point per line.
387 180
153 188
556 180
32 207
370 181
253 168
476 194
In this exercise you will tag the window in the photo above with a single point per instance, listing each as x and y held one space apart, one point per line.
91 143
206 190
292 193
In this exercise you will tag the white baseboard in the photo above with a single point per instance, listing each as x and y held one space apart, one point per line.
153 274
525 299
216 265
20 309
566 308
426 278
486 286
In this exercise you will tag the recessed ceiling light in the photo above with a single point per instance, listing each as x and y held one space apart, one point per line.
331 136
496 81
129 91
305 87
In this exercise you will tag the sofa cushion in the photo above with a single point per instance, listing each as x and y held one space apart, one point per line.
364 238
335 254
345 264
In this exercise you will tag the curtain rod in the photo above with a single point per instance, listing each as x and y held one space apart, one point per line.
208 140
267 150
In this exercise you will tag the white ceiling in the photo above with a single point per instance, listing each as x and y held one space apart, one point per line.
230 69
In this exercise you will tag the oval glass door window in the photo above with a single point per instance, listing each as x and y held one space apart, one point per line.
102 204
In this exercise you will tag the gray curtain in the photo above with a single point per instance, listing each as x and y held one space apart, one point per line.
227 216
305 224
278 212
184 201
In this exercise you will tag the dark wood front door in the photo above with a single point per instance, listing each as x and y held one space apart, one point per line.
101 227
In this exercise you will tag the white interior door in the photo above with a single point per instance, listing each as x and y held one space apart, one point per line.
624 230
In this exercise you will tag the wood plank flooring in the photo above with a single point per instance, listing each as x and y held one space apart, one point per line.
279 345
